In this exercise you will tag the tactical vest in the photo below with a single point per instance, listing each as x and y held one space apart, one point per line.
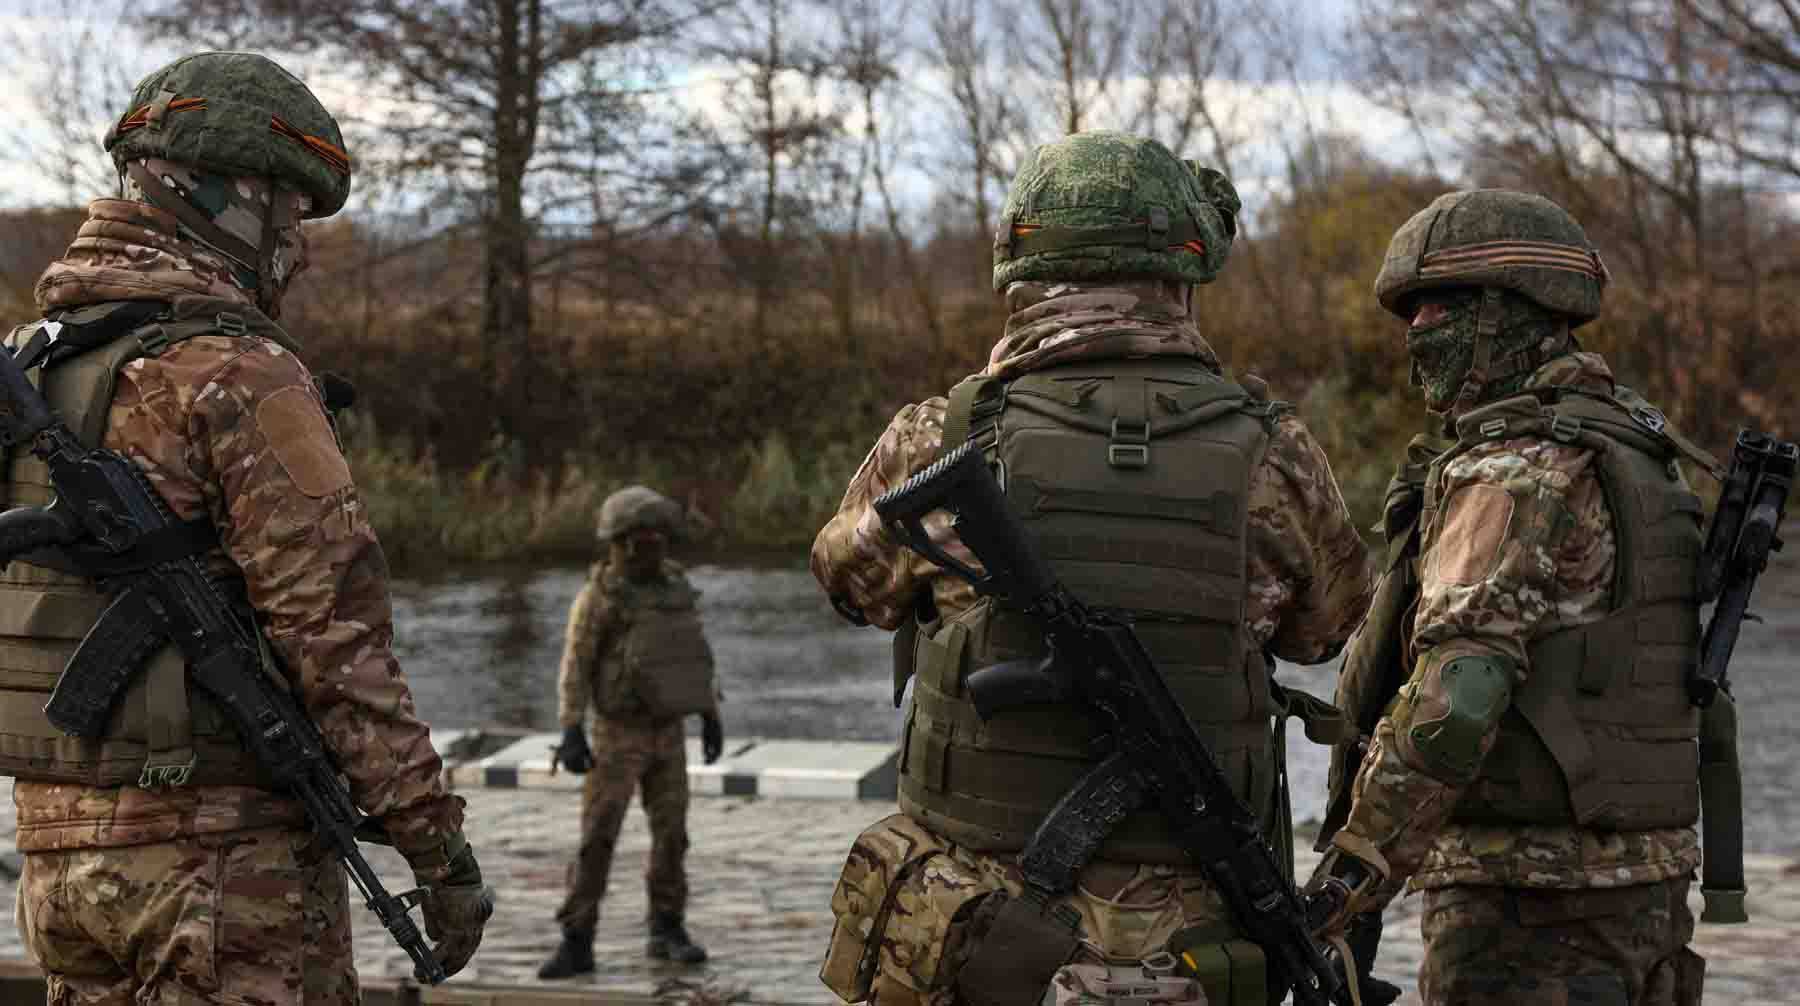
659 666
1601 734
1133 479
162 731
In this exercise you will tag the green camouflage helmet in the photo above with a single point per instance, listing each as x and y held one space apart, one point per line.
236 113
635 507
1103 204
1495 238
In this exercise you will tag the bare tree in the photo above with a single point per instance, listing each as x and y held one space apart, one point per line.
76 82
984 110
778 112
1087 46
481 100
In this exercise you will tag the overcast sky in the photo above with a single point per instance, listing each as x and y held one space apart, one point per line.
1263 117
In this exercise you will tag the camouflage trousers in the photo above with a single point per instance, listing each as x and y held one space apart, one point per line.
627 756
256 916
1624 946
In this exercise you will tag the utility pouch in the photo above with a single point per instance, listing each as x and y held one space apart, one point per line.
1151 982
903 908
1233 971
1022 950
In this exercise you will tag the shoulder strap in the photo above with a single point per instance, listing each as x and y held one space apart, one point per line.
975 398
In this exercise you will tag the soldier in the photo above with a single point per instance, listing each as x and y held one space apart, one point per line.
1535 776
158 868
635 651
1157 487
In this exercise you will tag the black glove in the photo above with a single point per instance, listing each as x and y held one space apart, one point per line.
456 908
712 738
573 752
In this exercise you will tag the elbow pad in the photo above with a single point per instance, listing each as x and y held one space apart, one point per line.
1446 717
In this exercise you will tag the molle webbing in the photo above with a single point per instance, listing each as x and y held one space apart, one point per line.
1601 734
1133 478
160 728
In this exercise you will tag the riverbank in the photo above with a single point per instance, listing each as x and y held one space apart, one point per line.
762 871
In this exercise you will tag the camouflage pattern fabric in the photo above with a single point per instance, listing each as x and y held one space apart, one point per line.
236 203
232 429
1444 352
254 917
1491 586
1104 179
129 250
1309 576
1488 946
628 756
236 113
1112 985
1051 323
1128 911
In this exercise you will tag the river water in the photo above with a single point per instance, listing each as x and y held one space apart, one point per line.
483 650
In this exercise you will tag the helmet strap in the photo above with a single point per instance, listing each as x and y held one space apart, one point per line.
1487 332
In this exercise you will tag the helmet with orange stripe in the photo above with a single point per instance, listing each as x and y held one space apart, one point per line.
1495 238
1513 273
236 113
238 150
1105 205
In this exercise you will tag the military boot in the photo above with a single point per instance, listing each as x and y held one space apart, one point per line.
669 940
574 956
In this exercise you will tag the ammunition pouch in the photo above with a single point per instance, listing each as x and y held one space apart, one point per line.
904 910
1023 947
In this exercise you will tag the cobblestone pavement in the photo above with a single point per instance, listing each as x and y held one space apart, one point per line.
762 872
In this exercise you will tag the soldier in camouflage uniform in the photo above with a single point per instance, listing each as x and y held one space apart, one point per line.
158 868
1535 777
1156 486
635 651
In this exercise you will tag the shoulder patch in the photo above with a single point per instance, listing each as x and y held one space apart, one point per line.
302 441
1477 520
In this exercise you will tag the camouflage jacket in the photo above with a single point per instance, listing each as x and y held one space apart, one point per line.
233 429
1478 596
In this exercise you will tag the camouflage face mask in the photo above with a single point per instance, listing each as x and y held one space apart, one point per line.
1442 353
236 205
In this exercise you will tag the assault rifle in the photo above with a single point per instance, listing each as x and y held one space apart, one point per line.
1745 529
110 524
1097 662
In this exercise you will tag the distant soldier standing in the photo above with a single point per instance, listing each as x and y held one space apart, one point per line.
636 652
160 867
1536 775
1159 488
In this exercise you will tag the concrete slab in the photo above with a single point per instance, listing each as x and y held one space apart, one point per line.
816 770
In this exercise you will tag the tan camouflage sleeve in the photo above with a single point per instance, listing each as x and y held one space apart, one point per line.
290 517
1498 559
588 625
854 557
1310 578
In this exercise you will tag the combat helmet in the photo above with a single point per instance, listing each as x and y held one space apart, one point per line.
236 113
635 507
1102 204
1495 238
